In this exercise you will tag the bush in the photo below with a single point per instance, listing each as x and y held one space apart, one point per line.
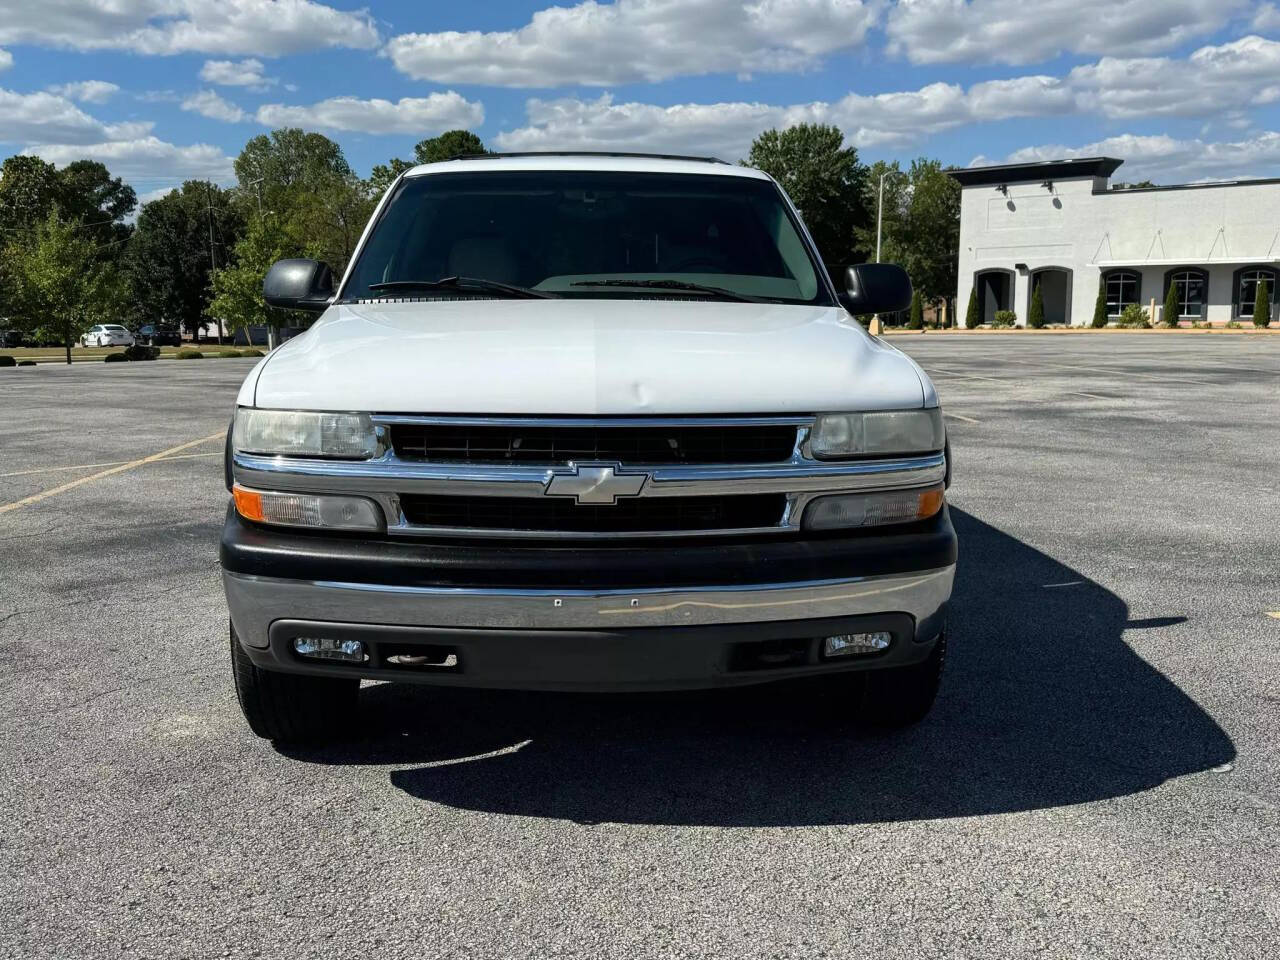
1170 316
971 318
188 354
7 361
115 358
23 363
1262 305
1134 316
140 352
230 353
915 319
252 353
1035 317
1004 318
1100 309
1233 325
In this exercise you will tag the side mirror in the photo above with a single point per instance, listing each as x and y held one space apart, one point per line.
876 288
299 284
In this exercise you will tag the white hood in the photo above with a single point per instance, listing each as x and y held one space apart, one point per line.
586 357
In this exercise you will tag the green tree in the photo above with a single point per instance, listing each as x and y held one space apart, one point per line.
1262 305
971 317
1035 316
237 291
385 174
1100 308
451 143
181 239
1171 306
916 319
825 180
60 281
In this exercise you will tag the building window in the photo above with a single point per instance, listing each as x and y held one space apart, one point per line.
1193 289
1122 290
1246 293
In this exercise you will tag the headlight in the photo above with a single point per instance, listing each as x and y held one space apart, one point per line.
883 432
295 433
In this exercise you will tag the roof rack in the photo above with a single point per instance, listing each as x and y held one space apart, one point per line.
587 153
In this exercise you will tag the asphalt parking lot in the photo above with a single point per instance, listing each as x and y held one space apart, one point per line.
1099 778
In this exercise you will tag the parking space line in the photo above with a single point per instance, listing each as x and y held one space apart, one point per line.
119 468
90 466
956 416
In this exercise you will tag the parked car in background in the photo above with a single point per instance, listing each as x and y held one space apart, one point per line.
158 335
107 335
11 338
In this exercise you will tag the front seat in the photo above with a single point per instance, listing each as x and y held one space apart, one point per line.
487 258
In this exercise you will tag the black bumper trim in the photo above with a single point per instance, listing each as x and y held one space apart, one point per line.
257 551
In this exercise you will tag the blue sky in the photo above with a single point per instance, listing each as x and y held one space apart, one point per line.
163 90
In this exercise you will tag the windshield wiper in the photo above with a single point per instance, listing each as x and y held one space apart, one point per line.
672 285
464 283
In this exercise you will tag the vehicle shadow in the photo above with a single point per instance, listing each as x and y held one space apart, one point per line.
1043 704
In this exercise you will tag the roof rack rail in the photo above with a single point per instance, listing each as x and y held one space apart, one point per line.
587 153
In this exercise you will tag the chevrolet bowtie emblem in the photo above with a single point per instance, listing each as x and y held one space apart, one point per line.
596 483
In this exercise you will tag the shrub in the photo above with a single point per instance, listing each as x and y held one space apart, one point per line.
230 353
188 354
115 358
1004 318
971 318
1170 316
1134 316
7 361
24 363
140 352
1233 324
252 353
1100 309
1262 305
915 320
1035 317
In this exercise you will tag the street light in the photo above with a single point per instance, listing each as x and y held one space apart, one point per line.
875 317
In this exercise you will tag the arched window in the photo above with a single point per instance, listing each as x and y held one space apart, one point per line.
1193 291
1245 294
1123 287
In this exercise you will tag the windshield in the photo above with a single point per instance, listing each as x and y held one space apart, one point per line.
588 234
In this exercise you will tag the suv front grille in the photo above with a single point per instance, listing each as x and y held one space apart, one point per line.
554 445
637 515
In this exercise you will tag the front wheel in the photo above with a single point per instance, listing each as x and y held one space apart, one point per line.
289 707
901 696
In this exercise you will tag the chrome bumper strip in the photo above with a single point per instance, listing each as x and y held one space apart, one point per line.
256 602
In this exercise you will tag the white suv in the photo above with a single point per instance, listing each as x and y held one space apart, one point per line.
107 335
584 422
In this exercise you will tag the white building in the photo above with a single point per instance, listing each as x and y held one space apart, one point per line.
1058 225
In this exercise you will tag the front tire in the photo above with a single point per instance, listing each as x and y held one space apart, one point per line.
902 696
289 707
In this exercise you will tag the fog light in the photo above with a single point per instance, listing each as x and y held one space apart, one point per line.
329 648
852 644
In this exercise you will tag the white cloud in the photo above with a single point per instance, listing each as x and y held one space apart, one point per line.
1030 31
415 115
6 59
263 27
209 104
639 40
727 129
26 117
1267 18
231 73
145 160
1166 159
86 91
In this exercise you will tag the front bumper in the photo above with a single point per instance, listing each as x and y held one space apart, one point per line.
641 618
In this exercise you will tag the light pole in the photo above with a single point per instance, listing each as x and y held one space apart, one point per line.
875 317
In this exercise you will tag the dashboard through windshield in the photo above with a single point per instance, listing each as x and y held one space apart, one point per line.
588 234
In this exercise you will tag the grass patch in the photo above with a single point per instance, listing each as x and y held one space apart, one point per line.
230 353
188 354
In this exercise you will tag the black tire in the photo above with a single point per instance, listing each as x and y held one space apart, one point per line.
290 707
901 696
